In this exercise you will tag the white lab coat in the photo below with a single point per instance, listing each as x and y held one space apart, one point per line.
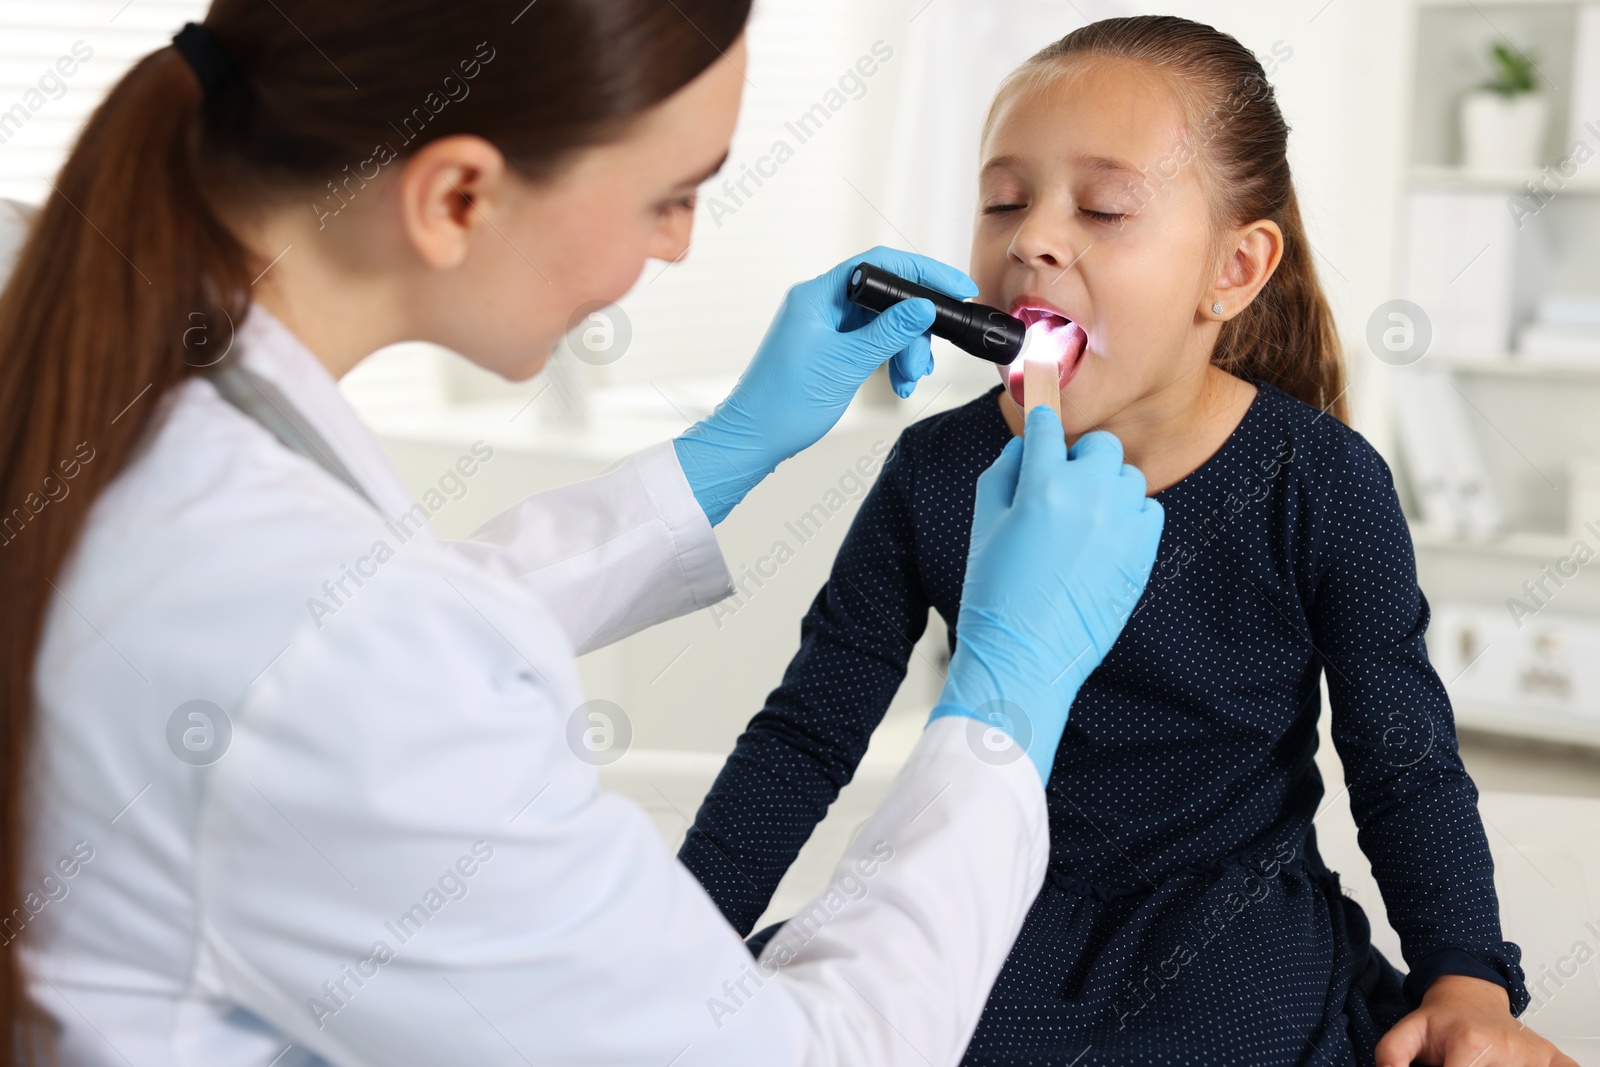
398 859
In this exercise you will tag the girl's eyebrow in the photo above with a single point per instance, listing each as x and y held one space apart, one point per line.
1002 163
1098 164
1106 165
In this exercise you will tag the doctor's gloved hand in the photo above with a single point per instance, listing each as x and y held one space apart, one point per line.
1062 545
817 353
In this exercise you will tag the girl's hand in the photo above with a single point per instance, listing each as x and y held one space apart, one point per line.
1466 1022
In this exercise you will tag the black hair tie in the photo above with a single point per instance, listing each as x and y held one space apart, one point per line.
205 54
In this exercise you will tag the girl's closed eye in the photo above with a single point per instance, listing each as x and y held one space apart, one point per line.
1110 218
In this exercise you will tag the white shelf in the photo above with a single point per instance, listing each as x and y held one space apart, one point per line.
1530 722
1546 406
1526 721
1475 4
1517 367
1439 177
1519 544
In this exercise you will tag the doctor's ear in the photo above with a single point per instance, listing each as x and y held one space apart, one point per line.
1250 258
448 190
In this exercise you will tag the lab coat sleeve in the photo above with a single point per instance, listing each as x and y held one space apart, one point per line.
404 861
612 554
893 962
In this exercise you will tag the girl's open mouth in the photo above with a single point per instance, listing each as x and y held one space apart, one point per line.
1053 338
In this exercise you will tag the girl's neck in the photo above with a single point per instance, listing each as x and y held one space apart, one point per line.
1170 433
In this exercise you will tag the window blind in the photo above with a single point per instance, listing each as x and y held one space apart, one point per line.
57 62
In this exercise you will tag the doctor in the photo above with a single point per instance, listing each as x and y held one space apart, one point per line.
241 833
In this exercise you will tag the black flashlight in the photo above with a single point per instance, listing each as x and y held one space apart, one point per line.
979 329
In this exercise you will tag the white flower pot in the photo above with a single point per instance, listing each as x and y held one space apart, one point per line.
1503 135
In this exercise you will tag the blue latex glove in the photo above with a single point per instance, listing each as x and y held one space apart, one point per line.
1062 546
818 351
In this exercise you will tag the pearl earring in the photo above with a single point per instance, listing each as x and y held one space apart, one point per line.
1216 308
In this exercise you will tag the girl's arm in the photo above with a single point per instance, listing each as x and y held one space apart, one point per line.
1414 804
805 744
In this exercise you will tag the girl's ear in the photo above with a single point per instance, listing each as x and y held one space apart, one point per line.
1254 255
449 191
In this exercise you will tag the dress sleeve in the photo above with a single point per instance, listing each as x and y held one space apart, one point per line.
1414 804
804 745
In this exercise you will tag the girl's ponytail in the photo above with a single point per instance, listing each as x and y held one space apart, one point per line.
1287 335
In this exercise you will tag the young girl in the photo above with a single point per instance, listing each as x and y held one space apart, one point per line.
1136 208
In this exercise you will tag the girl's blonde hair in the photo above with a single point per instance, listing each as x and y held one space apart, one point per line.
1287 335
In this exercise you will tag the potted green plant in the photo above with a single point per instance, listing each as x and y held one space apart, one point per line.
1503 121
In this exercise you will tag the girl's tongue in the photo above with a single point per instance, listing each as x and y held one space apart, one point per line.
1050 338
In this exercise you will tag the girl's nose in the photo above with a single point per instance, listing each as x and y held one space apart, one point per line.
1043 240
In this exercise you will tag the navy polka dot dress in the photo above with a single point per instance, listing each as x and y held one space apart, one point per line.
1186 917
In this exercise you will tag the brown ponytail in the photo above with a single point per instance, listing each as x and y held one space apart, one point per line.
128 272
90 339
1287 335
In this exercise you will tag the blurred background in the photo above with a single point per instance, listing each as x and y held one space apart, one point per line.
1442 150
